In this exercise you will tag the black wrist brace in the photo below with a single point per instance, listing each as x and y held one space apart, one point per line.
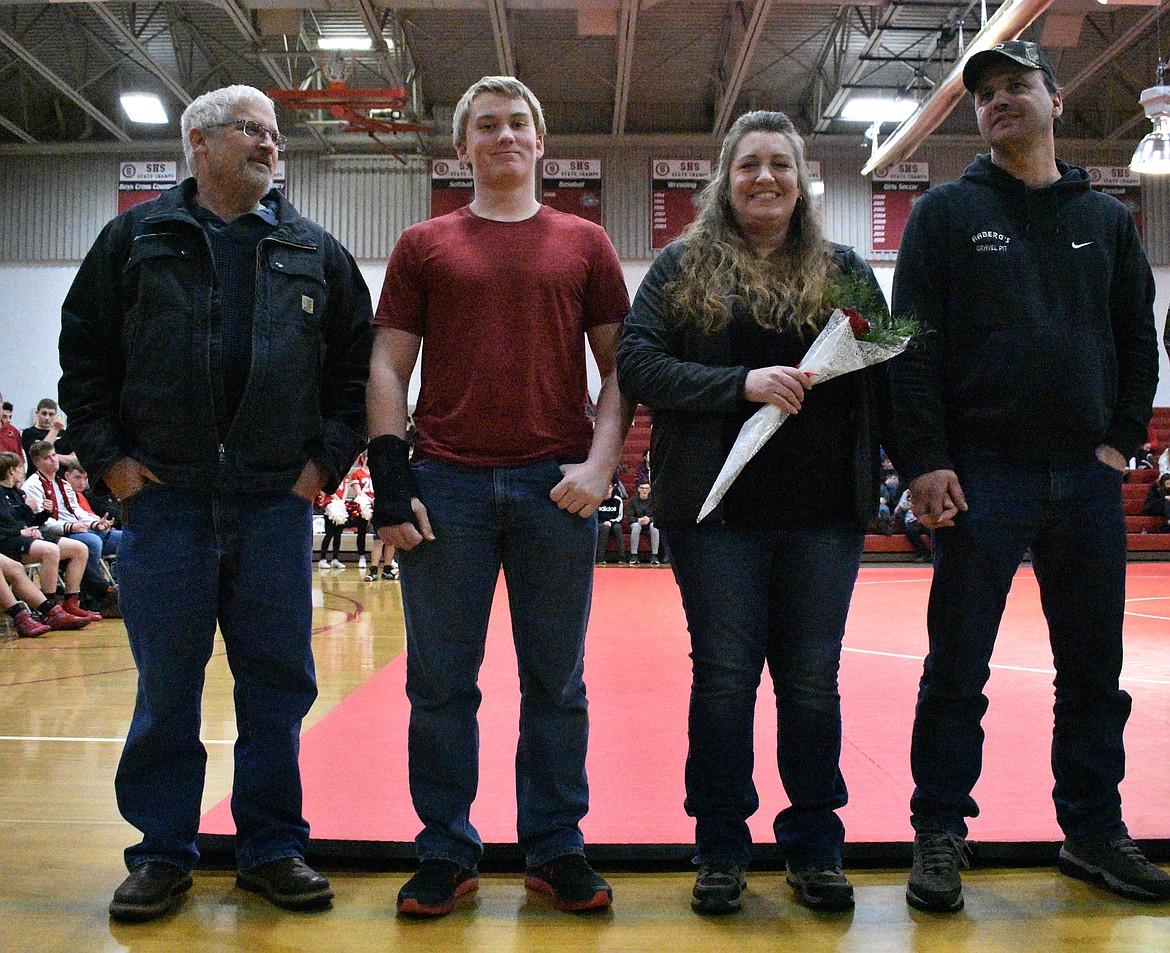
389 460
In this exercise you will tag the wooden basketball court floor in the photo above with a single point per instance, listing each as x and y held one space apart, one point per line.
65 703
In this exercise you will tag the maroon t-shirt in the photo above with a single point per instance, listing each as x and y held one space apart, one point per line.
502 308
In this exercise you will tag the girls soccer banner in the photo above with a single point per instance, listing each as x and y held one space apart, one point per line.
140 181
573 186
675 185
895 190
1122 184
452 186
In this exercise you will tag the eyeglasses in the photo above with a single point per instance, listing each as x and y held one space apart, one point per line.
256 130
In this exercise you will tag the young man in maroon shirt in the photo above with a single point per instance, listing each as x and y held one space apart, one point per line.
507 472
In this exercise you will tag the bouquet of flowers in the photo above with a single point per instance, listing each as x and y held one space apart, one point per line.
853 338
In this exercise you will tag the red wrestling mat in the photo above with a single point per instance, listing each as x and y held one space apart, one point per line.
638 676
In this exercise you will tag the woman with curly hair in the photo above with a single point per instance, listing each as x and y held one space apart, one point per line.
718 329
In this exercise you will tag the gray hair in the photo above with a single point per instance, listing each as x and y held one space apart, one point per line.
215 107
504 85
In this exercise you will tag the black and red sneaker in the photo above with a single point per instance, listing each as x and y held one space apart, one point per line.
432 892
571 883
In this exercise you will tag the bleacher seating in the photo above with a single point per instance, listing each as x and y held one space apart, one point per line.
1145 534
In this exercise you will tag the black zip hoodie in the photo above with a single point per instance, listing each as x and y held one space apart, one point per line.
1038 305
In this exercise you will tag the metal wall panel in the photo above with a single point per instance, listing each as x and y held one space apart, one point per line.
52 207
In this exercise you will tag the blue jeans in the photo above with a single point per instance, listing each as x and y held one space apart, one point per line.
483 518
99 543
752 597
188 562
1071 517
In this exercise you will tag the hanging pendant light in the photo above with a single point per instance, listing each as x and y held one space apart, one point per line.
1152 156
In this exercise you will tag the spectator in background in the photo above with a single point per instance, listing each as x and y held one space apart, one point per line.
92 501
1157 501
10 441
642 474
67 518
610 516
916 531
641 514
21 539
48 427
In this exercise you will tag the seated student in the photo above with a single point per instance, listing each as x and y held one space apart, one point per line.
609 520
20 539
9 436
89 499
50 428
1158 500
916 532
67 519
641 512
17 592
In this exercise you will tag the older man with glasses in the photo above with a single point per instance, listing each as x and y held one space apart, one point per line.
215 348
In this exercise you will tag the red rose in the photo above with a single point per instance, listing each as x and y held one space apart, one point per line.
857 324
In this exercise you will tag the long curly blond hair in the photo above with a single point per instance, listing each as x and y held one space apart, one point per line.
719 267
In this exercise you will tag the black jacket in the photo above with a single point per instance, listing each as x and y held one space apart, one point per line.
15 515
687 379
139 342
1039 307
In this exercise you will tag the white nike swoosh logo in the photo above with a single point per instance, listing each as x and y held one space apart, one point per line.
1081 244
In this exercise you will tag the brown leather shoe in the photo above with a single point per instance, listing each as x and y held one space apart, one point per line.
150 891
289 883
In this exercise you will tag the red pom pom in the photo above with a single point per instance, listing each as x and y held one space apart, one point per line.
857 324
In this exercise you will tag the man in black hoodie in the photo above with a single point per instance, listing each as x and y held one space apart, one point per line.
1030 387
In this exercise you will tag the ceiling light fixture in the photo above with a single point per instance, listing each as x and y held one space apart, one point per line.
871 109
1152 155
344 43
145 108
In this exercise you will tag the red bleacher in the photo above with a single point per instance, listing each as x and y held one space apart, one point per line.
1145 534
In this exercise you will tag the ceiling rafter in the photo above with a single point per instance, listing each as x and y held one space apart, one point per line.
372 21
626 29
63 87
739 65
498 13
130 44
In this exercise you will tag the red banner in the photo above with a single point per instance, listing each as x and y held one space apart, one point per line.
895 190
1122 184
140 181
452 186
573 186
675 185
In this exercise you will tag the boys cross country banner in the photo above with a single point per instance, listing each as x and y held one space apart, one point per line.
140 181
452 186
573 186
895 190
1122 184
675 185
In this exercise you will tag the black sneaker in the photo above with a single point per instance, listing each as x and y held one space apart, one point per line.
1117 863
433 890
571 882
935 885
390 572
719 887
822 887
150 891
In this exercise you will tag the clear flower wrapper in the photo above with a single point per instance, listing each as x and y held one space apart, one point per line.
835 351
